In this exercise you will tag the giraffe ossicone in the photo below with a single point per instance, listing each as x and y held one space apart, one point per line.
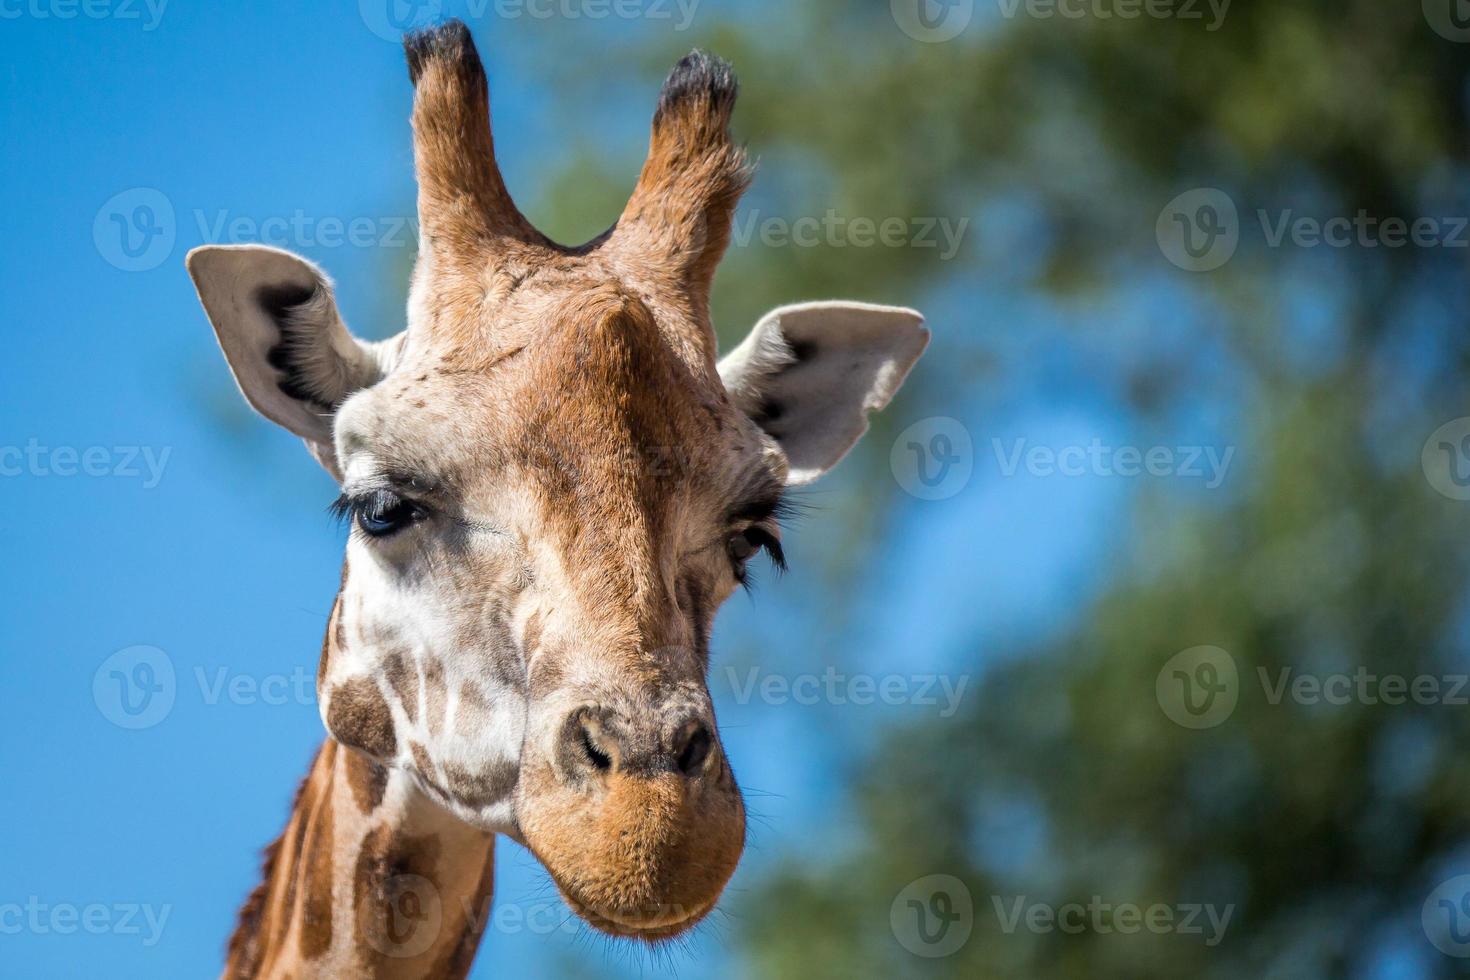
553 484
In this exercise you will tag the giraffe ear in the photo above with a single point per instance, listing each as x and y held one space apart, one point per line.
810 374
278 326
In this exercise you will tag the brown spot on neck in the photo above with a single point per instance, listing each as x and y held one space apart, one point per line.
370 864
264 919
404 679
490 785
531 639
332 640
436 695
474 709
358 715
421 759
458 957
368 779
315 913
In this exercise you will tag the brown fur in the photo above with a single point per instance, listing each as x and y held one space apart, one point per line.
462 197
458 957
677 223
633 864
315 913
368 779
287 928
405 682
573 375
358 712
434 694
244 951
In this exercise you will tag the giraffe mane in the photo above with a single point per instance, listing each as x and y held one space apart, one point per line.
243 950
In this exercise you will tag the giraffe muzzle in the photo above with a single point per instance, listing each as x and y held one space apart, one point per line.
637 817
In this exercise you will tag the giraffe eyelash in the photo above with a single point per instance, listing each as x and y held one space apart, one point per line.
763 519
377 513
769 543
762 539
348 505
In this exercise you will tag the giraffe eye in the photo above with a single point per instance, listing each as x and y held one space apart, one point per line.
379 513
743 546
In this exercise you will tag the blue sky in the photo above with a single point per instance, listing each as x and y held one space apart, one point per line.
197 530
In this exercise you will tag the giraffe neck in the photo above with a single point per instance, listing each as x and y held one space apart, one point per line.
370 878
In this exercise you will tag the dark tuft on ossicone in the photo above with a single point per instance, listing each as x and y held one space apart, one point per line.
449 43
699 76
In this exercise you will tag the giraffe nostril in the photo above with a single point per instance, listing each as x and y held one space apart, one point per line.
695 750
594 743
599 759
586 745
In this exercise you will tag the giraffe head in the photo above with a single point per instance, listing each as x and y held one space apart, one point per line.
553 485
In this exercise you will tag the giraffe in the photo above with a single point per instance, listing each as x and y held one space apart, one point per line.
553 482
